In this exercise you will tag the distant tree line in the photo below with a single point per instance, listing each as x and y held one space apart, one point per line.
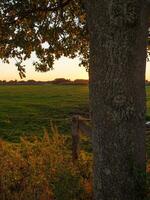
70 82
59 81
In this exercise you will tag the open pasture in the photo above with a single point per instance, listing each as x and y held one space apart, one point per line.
29 109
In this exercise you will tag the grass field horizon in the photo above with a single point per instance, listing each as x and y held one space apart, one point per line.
28 110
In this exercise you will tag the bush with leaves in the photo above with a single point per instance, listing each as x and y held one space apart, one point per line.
42 169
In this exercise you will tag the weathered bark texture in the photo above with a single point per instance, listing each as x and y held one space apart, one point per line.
118 31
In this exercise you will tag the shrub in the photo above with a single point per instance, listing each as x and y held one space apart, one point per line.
42 169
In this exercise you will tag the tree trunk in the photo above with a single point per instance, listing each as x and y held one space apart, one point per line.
118 31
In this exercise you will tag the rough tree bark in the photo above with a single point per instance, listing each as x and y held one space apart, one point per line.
118 32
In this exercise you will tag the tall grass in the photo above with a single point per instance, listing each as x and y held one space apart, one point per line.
42 169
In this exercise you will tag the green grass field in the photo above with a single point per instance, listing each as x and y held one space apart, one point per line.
28 110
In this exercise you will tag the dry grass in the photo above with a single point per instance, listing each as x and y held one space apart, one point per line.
43 170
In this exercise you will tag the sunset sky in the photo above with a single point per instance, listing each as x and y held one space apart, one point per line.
63 68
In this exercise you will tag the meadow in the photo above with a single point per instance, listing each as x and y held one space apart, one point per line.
43 168
27 110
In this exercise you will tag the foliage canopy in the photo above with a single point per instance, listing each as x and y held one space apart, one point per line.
50 28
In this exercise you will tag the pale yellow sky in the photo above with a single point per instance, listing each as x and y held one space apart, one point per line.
148 71
63 68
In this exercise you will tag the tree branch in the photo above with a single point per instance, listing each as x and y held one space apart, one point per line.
54 7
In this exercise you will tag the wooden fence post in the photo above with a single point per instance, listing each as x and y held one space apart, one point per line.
75 137
84 126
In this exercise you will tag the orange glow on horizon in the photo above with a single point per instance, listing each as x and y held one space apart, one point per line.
63 68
